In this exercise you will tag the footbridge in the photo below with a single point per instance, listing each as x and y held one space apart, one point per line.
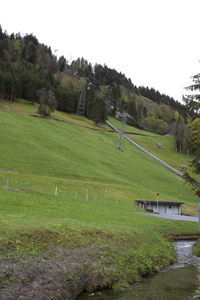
145 151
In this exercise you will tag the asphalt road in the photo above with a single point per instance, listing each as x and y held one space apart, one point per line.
172 217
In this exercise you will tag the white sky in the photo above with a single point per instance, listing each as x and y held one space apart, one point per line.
156 43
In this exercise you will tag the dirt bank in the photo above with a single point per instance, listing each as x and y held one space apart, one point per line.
59 274
63 273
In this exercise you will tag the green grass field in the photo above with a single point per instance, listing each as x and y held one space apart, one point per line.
96 191
96 185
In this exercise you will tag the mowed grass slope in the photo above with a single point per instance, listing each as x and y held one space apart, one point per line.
39 155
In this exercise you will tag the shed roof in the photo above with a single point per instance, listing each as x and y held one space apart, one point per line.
160 202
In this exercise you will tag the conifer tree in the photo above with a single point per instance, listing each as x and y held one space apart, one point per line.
193 103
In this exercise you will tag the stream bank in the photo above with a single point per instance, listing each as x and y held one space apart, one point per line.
62 274
178 281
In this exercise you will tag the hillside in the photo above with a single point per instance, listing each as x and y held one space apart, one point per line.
68 151
88 236
28 67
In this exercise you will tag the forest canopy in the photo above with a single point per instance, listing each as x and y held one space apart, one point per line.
27 66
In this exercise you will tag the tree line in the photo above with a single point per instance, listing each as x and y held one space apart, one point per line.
29 70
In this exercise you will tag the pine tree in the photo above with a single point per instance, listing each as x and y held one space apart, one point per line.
193 104
193 100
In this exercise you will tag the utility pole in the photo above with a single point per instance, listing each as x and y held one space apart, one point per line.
157 200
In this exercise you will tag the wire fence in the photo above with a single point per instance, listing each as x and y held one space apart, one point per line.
102 197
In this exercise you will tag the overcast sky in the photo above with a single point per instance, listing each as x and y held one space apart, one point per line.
156 43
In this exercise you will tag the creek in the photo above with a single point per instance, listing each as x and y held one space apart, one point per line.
178 281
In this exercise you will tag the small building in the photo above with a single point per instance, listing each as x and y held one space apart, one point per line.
162 207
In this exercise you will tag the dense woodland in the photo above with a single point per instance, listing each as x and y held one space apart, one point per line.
29 70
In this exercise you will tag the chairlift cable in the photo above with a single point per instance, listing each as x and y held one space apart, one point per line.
128 115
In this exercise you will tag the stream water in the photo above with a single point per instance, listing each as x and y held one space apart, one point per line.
178 281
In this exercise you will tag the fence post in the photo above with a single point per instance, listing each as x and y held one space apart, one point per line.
87 194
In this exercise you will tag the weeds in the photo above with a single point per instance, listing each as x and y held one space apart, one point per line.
70 277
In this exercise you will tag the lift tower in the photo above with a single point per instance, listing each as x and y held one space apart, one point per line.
119 141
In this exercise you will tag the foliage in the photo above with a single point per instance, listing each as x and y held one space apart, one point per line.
27 66
132 111
195 135
162 98
196 248
193 100
197 294
177 129
47 102
193 103
155 125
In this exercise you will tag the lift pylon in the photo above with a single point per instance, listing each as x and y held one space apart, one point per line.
119 141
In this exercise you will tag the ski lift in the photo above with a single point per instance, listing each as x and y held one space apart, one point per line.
159 145
182 168
89 84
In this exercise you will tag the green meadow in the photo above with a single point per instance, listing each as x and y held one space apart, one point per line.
67 186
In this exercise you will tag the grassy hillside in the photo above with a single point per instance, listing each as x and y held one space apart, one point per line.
48 153
38 155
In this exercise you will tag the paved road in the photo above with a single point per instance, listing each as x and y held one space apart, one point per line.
173 217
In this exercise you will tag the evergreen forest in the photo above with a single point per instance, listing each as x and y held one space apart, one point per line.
30 70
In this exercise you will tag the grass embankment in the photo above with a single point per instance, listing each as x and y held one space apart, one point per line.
96 191
196 248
